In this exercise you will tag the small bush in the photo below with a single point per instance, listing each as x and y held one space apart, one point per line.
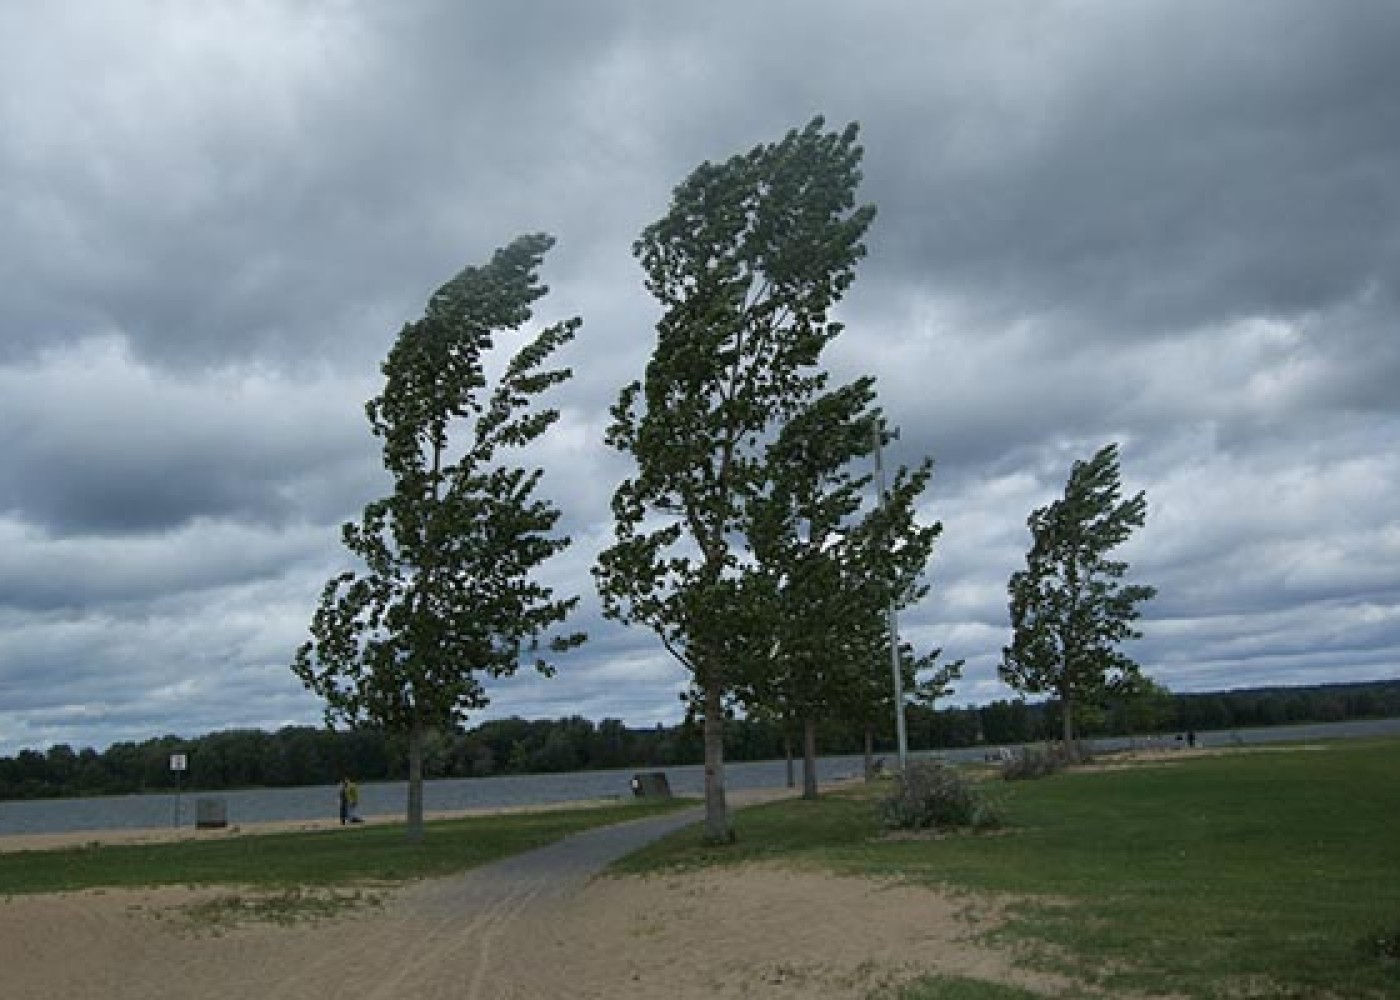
928 795
1038 762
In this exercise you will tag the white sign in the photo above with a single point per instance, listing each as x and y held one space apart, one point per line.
179 762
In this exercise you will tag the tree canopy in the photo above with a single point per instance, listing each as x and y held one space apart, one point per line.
1069 607
747 263
829 563
445 596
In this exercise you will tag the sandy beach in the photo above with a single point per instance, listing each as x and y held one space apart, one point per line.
754 931
727 933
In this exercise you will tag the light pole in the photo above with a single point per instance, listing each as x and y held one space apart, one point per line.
901 735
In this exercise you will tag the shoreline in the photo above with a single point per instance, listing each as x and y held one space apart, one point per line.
14 843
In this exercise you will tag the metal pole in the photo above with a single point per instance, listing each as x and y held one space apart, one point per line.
901 733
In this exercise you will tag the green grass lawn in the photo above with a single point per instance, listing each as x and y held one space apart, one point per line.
1254 874
341 856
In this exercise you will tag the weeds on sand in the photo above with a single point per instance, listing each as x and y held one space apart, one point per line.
286 908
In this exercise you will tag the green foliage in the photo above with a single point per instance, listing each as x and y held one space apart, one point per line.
315 755
446 597
933 681
927 796
828 566
1139 706
747 262
1069 610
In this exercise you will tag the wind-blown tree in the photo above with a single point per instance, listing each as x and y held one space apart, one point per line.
932 680
924 681
1069 607
445 597
748 261
829 566
1141 707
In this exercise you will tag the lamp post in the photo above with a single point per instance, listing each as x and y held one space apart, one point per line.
901 735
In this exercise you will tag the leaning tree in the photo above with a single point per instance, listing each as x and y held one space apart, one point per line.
828 565
445 596
747 263
1069 607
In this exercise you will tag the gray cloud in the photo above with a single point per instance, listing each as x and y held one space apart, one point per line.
1170 225
98 442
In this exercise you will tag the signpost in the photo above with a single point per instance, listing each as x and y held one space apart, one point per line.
179 763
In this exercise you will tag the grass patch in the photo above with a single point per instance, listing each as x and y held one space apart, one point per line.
957 988
1250 874
361 854
284 907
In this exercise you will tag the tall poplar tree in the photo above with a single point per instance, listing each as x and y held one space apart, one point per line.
1069 607
747 263
831 562
445 596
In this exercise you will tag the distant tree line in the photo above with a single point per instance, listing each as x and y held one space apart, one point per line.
306 755
1155 711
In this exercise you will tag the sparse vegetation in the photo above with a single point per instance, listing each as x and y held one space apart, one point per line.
1031 762
957 988
285 907
928 795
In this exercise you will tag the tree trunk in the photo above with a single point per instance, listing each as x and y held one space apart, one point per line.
869 752
717 828
787 753
809 758
1067 711
415 784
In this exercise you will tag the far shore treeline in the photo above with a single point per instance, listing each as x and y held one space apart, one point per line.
308 755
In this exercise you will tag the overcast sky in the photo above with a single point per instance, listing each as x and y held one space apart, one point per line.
1174 225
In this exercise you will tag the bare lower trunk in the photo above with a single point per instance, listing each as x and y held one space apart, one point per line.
787 753
717 828
869 752
809 758
1067 711
415 784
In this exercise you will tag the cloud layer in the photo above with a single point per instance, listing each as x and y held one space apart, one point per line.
1173 226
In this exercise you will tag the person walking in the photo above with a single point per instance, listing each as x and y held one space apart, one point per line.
344 801
352 801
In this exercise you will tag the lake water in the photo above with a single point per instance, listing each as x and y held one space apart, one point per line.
129 812
258 805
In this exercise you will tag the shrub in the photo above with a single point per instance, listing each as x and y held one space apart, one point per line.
1038 762
929 795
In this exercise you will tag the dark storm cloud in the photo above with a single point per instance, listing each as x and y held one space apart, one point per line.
1171 225
216 185
96 442
1149 171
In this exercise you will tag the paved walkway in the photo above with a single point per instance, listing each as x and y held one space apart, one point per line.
545 874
